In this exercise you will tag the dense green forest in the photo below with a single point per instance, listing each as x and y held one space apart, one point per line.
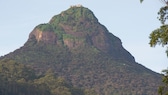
19 79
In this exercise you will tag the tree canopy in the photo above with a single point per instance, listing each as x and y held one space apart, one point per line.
160 37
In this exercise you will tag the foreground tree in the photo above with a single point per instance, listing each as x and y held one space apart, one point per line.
160 37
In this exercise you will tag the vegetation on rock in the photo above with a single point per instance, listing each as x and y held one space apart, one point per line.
83 59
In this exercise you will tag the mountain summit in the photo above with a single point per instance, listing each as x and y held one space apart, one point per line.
78 27
78 48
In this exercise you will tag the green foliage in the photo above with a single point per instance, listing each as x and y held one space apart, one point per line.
163 90
76 13
163 14
160 37
85 13
74 17
57 86
59 32
68 36
16 79
45 27
10 70
19 79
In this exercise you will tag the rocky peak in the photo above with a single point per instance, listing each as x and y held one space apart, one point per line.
78 27
73 16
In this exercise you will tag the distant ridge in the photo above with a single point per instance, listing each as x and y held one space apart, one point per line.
82 51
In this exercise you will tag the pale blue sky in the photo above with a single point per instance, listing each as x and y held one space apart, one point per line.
129 20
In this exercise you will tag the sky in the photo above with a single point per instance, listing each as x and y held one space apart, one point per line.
129 20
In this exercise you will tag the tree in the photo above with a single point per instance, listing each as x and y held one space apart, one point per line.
163 90
160 37
56 85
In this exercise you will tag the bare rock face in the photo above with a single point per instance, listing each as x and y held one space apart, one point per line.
46 37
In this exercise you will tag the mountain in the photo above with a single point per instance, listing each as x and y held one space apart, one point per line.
79 49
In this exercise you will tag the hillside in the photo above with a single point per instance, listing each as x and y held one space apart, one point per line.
81 51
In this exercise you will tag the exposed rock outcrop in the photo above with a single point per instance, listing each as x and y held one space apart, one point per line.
46 37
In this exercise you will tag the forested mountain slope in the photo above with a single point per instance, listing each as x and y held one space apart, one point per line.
75 47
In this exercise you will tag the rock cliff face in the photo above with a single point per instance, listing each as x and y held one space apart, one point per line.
82 51
41 36
78 27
